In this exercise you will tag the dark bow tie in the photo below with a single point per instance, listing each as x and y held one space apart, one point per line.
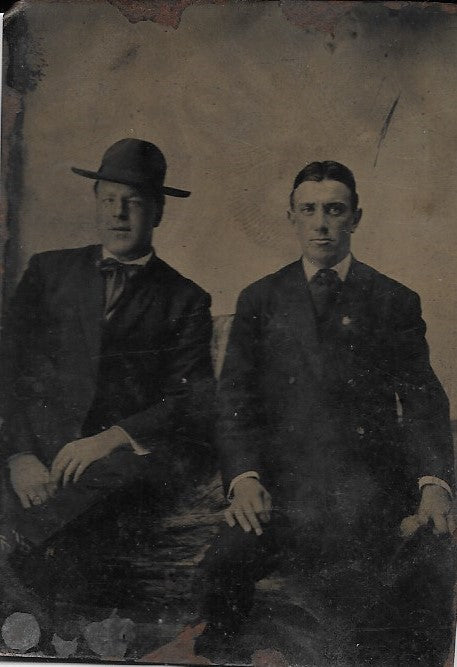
116 276
112 265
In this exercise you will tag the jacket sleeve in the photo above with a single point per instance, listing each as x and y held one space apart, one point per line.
239 426
18 350
425 405
185 412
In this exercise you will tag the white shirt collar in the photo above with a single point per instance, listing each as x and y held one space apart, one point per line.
342 268
140 261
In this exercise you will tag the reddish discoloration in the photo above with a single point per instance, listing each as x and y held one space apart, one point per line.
447 7
269 658
180 650
318 15
159 11
322 15
165 12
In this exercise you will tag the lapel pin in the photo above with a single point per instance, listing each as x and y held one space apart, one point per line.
346 320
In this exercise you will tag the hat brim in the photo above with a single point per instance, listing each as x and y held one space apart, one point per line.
95 175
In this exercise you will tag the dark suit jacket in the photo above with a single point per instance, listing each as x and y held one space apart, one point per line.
314 411
154 356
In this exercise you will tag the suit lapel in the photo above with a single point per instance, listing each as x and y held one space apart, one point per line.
87 281
296 307
89 285
144 293
355 294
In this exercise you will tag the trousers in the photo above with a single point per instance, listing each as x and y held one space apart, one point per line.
102 480
403 587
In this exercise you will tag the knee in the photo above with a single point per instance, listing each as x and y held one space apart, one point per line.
432 556
114 471
233 547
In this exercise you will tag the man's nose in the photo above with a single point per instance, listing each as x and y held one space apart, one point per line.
121 210
320 220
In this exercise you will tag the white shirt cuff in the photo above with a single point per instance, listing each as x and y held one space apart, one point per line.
138 449
249 473
424 481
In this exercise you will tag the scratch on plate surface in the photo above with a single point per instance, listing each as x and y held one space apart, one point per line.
384 129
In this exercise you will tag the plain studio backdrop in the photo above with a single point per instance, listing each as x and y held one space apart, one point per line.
239 98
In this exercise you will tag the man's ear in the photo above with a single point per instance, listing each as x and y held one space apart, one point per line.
356 221
157 214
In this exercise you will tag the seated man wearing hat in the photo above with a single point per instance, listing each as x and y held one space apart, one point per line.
106 363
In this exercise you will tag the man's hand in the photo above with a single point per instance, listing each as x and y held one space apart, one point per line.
435 508
30 480
76 456
251 503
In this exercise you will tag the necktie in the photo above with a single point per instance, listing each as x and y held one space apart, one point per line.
116 275
324 286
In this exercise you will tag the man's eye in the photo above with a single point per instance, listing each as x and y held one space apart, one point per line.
108 200
306 208
135 203
336 209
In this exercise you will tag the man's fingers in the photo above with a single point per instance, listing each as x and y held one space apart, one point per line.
241 518
59 464
38 495
451 524
422 518
56 472
262 506
257 504
260 509
409 526
79 470
51 488
229 517
35 495
69 471
440 524
267 502
267 505
252 518
25 502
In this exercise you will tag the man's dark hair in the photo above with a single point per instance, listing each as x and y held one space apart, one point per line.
158 198
327 171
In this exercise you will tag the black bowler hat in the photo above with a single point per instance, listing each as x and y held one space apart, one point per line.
137 163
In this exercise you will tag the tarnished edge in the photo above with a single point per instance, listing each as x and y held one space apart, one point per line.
12 120
322 15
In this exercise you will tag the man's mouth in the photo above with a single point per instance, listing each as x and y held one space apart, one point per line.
322 241
120 229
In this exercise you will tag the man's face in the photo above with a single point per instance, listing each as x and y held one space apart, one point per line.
125 220
324 221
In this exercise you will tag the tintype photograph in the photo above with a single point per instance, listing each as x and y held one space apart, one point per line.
228 332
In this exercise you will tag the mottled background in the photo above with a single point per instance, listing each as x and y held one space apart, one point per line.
239 97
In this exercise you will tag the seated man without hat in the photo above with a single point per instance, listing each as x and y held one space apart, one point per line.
324 477
107 368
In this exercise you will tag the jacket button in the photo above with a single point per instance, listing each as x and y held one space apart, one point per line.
292 380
